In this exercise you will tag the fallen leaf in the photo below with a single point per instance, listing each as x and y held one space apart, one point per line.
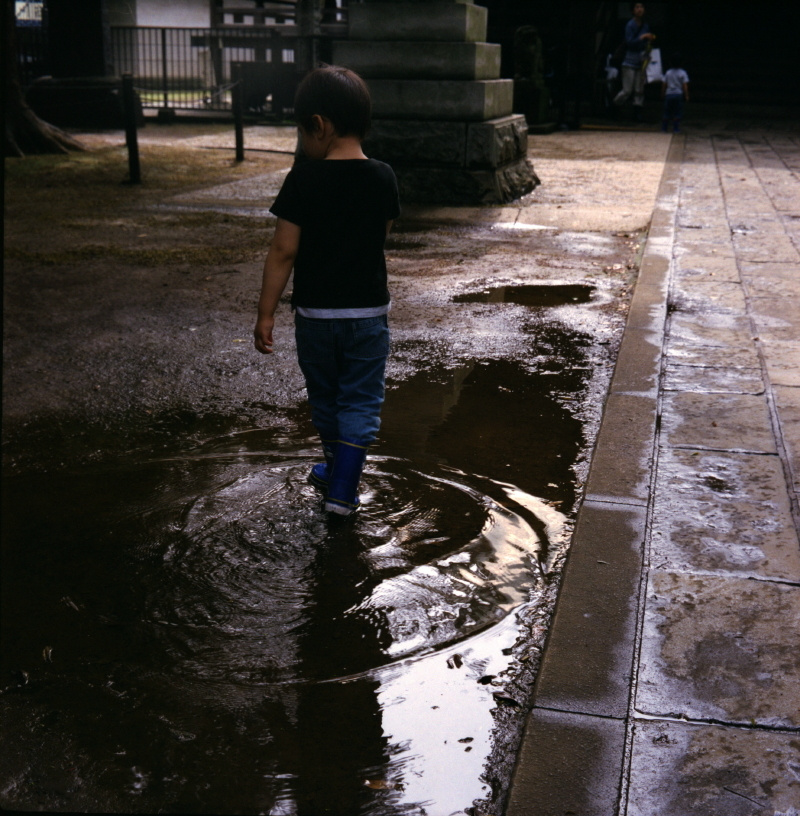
501 698
383 784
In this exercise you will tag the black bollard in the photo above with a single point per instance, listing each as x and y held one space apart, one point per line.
238 113
129 106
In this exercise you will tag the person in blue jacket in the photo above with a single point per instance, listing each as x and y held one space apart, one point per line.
638 40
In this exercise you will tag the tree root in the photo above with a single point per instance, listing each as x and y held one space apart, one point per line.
26 133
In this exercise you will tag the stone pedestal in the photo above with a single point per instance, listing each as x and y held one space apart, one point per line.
442 117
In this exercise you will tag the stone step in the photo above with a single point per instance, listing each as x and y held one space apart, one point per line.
462 186
412 141
452 22
474 145
497 142
419 60
444 101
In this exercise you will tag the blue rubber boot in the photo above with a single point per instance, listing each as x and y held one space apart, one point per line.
344 477
320 474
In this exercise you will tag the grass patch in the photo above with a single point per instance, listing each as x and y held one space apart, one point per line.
165 169
68 209
173 256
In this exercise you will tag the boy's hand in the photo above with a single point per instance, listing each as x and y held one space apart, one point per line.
277 268
263 334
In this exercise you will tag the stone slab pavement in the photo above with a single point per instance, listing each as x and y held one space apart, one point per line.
670 683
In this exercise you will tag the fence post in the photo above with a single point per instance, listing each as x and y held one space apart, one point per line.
238 111
131 139
164 74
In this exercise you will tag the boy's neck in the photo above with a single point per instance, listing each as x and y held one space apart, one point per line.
345 147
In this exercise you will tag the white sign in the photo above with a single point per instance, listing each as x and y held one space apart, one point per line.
29 13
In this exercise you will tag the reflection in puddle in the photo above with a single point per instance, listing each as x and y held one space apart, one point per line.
512 420
225 649
535 296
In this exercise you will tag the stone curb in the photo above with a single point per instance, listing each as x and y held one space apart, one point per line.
573 750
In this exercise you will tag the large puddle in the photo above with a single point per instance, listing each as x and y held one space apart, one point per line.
186 631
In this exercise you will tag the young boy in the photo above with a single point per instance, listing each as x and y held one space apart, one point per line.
334 213
674 91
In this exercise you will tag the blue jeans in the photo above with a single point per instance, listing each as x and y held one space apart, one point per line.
344 363
673 107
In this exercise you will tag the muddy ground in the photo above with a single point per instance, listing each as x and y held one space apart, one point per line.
127 342
137 299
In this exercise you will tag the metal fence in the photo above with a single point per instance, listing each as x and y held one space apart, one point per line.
32 53
195 68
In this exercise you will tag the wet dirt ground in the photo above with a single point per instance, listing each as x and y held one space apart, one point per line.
183 628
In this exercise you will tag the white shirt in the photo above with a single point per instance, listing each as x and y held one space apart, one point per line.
674 78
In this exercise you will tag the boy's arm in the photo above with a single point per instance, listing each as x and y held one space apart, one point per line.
277 268
686 91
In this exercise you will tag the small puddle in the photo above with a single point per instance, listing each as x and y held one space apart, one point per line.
546 295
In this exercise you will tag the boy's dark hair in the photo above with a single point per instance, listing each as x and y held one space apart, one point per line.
675 60
338 94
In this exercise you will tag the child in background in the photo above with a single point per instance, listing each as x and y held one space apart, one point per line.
674 91
334 213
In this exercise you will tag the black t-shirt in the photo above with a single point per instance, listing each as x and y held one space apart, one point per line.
341 207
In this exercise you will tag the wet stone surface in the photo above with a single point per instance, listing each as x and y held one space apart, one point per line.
722 609
184 629
713 380
783 362
700 331
711 265
725 298
726 513
718 421
720 648
713 770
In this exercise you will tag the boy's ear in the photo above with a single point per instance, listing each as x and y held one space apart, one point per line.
317 125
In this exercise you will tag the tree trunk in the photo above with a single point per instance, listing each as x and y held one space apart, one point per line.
25 131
